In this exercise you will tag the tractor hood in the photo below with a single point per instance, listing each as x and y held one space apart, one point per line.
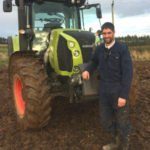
70 48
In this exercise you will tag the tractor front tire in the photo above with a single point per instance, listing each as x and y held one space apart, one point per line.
30 90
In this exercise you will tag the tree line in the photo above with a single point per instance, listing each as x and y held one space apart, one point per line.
134 40
3 40
129 40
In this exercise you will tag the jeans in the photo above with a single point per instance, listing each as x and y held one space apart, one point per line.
113 118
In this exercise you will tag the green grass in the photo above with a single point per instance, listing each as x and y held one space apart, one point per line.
3 55
140 48
3 63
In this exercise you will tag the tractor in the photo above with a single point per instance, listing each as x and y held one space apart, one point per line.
47 58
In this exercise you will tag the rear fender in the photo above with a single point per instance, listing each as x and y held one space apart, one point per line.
15 41
13 44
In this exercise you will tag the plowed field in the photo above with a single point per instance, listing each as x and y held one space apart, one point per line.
73 126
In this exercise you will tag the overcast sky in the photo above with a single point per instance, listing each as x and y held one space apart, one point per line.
131 17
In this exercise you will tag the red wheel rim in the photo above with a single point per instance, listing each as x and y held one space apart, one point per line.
20 103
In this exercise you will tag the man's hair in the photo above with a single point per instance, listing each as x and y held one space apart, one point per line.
108 25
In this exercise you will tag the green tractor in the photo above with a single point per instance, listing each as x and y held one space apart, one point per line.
47 58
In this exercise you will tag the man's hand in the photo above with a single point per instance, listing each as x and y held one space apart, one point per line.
121 102
86 75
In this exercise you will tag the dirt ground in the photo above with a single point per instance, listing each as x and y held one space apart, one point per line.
73 126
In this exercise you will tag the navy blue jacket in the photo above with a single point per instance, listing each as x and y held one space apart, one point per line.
115 68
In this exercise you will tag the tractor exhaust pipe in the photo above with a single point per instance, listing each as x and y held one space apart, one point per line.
22 26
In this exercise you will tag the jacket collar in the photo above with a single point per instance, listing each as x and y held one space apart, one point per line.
110 46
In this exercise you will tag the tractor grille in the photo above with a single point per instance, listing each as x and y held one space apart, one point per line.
64 55
85 40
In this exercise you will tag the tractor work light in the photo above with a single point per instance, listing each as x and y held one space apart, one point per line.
21 31
75 1
76 53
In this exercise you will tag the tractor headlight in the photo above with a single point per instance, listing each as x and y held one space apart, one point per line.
76 53
71 44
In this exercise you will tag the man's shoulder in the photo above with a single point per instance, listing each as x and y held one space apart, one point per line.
101 46
121 46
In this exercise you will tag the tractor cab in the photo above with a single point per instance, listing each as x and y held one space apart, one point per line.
37 19
48 16
52 15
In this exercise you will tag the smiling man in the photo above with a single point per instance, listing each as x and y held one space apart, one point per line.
115 69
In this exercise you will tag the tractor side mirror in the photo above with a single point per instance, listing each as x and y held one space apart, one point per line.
98 12
7 6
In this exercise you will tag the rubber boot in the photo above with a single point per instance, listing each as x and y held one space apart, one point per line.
113 145
124 143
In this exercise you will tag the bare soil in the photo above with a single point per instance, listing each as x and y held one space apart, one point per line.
73 126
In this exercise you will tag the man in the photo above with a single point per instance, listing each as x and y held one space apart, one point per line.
115 68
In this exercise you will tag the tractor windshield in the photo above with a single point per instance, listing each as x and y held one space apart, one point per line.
51 15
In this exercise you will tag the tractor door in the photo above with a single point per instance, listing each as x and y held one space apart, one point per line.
90 17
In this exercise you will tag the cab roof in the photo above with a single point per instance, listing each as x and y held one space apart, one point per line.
69 2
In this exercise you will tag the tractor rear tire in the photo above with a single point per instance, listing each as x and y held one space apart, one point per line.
30 90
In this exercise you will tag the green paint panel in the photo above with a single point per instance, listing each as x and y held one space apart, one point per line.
15 40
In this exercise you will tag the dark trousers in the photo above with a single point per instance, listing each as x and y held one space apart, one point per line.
113 118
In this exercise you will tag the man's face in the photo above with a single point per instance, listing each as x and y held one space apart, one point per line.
108 35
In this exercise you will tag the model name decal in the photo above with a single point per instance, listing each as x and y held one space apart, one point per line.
87 46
